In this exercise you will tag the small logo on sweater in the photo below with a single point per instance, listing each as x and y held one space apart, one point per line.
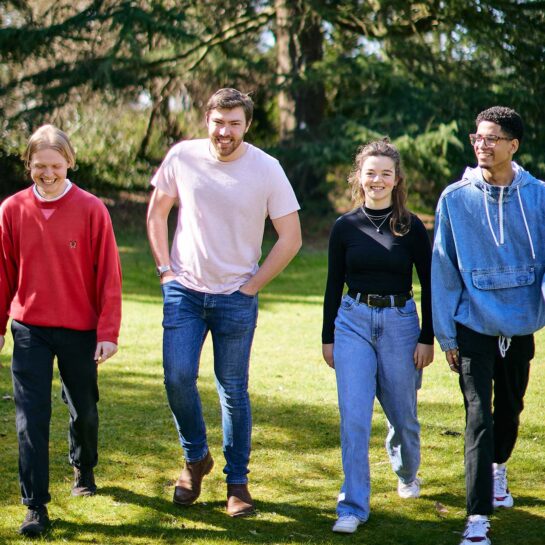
72 244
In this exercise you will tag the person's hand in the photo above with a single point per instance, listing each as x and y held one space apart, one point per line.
2 341
327 353
246 289
423 355
453 359
104 351
167 277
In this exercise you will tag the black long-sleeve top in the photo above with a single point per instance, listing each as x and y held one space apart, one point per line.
376 262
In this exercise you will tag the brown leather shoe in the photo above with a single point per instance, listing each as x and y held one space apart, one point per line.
239 501
188 486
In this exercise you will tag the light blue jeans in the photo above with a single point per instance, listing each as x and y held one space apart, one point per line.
373 353
188 315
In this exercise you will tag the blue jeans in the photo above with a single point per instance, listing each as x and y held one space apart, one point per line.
373 354
231 320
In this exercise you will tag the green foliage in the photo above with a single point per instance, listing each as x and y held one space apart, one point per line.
424 177
107 153
403 69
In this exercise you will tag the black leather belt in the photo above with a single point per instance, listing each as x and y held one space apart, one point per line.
381 301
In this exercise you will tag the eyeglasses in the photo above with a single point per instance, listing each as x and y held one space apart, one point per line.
489 141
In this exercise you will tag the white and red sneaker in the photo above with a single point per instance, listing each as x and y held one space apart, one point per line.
502 496
476 532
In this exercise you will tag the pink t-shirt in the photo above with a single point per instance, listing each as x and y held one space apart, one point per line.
222 212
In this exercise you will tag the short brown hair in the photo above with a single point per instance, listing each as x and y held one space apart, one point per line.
229 98
49 137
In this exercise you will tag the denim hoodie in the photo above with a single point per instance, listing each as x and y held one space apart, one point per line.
489 257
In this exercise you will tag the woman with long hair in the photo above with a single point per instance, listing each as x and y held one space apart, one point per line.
371 335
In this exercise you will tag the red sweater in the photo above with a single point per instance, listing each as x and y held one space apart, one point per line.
59 264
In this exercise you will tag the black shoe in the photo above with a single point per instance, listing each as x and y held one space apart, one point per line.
36 521
84 482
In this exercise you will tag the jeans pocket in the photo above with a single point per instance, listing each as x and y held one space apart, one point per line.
246 296
166 289
22 334
348 303
170 282
172 298
408 310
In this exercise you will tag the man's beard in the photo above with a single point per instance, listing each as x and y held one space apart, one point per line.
226 149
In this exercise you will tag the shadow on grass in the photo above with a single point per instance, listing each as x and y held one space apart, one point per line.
136 423
278 424
300 524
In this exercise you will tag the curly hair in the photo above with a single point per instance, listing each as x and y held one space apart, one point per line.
400 221
508 119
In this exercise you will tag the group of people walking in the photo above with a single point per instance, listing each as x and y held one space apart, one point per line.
481 296
483 284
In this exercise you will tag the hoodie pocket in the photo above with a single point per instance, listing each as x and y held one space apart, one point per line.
497 279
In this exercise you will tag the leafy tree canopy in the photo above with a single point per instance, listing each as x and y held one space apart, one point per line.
325 75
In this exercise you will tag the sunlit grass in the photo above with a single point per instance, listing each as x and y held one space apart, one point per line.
295 467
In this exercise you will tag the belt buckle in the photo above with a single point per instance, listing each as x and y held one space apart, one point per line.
374 300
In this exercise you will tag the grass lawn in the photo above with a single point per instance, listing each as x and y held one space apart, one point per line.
295 467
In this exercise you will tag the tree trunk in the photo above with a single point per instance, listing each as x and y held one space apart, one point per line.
301 96
285 70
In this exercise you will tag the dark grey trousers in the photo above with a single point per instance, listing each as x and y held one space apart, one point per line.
493 389
32 371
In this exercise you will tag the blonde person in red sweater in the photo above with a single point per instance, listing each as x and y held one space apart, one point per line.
60 282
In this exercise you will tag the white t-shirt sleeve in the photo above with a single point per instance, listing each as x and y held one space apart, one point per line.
282 200
165 177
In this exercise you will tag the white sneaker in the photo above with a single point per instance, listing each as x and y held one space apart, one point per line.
346 524
502 496
477 528
410 490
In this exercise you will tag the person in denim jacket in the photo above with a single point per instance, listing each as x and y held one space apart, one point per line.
487 274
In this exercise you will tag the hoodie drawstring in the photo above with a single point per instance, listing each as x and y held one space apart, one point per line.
503 344
525 223
500 205
490 222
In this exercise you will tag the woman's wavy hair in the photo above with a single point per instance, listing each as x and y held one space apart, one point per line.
400 221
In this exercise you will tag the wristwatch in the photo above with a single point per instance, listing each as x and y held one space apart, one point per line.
162 269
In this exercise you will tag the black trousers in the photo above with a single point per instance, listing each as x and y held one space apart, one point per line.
32 371
493 389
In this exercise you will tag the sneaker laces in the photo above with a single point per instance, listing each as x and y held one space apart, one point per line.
477 528
34 514
500 482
